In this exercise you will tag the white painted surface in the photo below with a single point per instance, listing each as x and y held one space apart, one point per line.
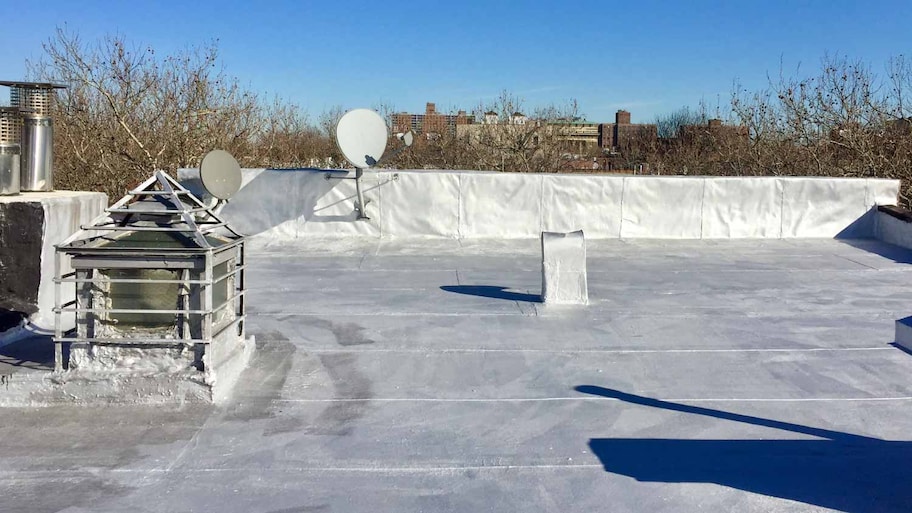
374 389
821 207
882 192
583 202
500 205
662 207
412 205
742 207
283 206
334 213
564 279
64 213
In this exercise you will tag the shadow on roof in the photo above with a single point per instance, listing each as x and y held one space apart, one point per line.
276 196
838 470
35 352
897 254
492 292
897 346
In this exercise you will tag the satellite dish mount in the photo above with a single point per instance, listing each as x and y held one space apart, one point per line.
361 135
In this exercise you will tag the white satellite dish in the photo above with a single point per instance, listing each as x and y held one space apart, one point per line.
220 174
408 138
361 136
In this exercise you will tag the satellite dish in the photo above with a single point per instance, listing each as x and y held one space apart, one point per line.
220 174
407 138
361 136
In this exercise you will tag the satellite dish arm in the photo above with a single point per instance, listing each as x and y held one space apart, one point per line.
407 139
218 205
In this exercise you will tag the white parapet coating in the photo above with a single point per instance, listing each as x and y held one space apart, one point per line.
64 213
284 205
564 268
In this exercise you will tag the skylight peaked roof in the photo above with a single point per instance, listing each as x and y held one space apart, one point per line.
159 214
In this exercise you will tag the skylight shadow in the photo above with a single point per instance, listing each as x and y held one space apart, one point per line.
836 470
889 251
36 352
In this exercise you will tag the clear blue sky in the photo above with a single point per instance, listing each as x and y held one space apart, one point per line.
647 57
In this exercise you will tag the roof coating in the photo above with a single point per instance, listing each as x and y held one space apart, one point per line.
424 376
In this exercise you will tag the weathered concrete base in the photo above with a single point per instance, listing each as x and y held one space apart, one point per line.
35 385
37 389
564 268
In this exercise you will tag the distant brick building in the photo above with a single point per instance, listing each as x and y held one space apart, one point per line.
609 137
578 136
622 133
431 122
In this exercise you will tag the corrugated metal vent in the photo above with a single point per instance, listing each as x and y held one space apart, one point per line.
39 101
10 125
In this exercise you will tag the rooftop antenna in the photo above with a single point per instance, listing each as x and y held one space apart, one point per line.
220 175
361 135
407 138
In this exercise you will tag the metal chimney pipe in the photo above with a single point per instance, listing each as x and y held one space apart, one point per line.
37 146
10 150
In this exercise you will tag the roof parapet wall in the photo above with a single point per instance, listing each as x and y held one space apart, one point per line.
291 205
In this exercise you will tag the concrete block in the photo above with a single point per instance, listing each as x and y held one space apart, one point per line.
564 268
903 335
31 224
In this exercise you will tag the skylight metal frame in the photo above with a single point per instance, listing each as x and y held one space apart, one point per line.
93 249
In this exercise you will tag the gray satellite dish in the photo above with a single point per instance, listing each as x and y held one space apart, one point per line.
361 136
220 174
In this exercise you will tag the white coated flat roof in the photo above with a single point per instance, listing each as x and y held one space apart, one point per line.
422 376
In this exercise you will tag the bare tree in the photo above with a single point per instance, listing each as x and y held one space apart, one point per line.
843 120
521 142
128 111
669 125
